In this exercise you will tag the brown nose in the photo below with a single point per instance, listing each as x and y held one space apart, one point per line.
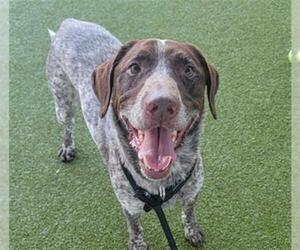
162 108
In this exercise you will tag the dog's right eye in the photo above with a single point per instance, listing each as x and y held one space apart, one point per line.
134 69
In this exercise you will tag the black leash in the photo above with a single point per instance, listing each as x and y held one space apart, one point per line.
164 224
154 201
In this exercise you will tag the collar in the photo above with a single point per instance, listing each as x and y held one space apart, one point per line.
154 200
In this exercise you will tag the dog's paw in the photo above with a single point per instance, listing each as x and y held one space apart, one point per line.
66 154
137 244
194 234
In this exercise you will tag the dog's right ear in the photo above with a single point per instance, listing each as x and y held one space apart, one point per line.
103 78
102 82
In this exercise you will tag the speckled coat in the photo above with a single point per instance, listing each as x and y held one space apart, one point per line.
75 51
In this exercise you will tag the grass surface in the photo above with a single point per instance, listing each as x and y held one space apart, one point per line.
245 202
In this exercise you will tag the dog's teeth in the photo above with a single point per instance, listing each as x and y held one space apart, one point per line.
141 138
167 161
174 135
145 163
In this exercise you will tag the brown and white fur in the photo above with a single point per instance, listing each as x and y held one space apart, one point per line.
125 91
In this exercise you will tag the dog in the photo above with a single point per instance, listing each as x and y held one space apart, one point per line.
143 103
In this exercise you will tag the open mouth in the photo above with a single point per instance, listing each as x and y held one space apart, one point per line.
156 148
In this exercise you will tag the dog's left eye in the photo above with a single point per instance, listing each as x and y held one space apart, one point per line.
134 69
189 71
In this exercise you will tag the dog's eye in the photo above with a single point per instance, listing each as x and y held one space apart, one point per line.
189 71
134 69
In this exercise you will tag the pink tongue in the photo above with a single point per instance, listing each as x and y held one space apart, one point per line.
157 148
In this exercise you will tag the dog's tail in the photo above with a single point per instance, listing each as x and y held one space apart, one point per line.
51 34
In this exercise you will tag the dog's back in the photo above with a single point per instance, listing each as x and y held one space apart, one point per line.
80 46
76 49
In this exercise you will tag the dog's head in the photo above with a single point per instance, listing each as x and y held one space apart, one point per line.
157 88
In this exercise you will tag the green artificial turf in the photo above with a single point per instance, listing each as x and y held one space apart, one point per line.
245 201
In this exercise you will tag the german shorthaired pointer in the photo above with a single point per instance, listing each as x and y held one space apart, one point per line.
143 104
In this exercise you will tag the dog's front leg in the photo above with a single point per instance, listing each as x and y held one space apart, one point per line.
135 230
192 230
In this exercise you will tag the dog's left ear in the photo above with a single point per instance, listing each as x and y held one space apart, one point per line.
212 88
103 78
212 81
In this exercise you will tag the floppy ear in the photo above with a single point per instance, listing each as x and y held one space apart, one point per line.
212 88
212 82
103 78
102 85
